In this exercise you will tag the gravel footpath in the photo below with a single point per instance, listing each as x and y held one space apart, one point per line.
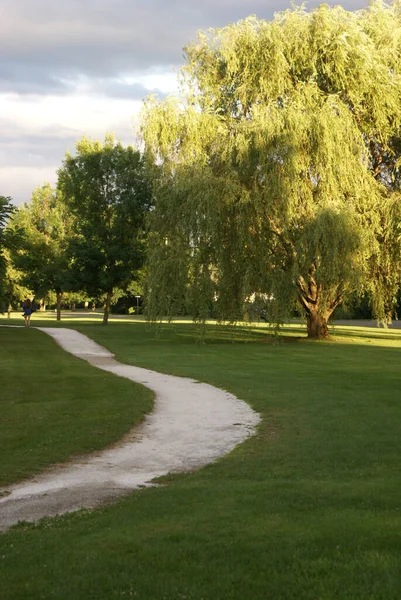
192 424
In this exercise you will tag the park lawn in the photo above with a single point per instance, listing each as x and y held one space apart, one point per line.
309 508
54 406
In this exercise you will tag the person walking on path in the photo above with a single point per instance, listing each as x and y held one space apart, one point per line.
28 308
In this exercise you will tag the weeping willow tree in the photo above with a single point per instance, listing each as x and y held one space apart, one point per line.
278 174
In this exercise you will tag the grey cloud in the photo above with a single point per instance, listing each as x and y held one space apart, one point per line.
20 79
28 158
118 88
20 181
121 89
35 149
95 38
42 145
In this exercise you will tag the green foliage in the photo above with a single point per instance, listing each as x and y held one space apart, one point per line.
15 291
43 255
106 189
9 240
75 298
278 175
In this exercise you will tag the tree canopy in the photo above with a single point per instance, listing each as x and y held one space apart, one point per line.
279 173
42 257
9 240
105 188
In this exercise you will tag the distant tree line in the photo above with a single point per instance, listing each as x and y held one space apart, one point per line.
86 238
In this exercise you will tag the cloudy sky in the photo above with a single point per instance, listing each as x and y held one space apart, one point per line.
75 67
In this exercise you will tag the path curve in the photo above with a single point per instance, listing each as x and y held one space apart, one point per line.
192 424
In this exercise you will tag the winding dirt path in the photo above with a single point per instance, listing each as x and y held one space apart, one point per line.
192 424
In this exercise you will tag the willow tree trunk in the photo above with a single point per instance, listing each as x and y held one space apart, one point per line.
59 296
317 325
107 307
316 310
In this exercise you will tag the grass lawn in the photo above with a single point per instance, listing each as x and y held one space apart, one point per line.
310 508
54 406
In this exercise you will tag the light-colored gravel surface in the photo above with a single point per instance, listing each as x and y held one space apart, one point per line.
192 424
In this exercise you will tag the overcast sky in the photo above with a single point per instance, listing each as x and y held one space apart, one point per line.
75 67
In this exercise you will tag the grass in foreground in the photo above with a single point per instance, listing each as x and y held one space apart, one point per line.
54 406
307 509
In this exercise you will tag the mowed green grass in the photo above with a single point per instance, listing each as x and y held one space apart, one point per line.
309 508
54 406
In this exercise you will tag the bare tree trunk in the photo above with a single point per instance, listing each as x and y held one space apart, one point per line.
59 296
107 307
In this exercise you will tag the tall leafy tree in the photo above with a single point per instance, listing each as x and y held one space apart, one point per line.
105 187
42 257
279 174
14 291
9 240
